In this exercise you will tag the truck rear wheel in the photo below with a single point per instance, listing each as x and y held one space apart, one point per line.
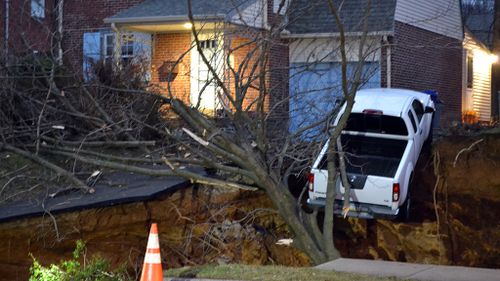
404 210
405 214
428 141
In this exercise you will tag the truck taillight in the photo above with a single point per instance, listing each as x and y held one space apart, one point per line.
311 182
395 192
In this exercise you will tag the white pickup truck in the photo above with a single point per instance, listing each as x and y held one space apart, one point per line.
382 141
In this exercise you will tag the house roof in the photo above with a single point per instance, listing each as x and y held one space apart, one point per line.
165 10
481 25
314 16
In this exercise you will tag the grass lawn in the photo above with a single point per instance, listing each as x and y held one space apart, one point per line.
268 273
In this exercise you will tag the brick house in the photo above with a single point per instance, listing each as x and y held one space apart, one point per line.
158 33
418 45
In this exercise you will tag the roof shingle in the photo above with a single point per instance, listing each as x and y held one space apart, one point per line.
172 8
314 16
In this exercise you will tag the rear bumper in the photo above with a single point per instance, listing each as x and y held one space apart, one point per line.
359 210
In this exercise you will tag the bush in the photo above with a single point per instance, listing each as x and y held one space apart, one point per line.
95 269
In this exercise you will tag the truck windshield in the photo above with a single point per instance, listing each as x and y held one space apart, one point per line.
381 124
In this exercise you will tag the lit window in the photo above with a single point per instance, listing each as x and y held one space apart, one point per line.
38 9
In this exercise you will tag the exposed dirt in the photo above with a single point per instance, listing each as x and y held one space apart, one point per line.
455 218
196 226
199 225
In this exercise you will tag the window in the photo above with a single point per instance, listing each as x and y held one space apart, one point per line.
419 109
205 76
127 47
470 71
382 124
109 47
412 119
38 9
205 44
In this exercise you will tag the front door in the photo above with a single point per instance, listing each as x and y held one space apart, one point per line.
204 94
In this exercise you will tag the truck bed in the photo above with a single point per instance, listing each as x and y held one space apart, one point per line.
372 156
372 165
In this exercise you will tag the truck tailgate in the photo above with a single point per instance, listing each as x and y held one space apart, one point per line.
376 190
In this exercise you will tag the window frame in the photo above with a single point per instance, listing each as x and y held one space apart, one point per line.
106 45
420 115
126 41
413 121
470 71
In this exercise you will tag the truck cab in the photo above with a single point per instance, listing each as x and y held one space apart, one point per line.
382 142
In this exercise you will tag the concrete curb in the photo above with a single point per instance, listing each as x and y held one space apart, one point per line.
195 279
414 271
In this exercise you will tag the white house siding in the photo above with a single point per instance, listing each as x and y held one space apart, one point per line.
439 16
481 85
251 14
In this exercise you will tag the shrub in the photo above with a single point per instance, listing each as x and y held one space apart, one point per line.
96 268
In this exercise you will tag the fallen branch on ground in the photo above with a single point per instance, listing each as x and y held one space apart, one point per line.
49 165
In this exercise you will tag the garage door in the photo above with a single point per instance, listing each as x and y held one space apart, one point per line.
315 91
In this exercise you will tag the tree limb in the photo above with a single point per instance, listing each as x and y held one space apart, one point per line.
47 164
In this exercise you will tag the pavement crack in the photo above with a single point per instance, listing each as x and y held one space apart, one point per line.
420 271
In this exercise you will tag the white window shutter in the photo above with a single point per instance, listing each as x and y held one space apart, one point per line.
91 52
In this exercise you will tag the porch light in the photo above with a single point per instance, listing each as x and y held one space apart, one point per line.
188 25
484 58
493 58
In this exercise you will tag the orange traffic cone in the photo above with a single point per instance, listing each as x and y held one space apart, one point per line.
152 271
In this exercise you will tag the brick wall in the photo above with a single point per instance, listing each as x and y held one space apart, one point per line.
170 47
27 34
279 78
2 26
240 47
276 73
423 60
86 16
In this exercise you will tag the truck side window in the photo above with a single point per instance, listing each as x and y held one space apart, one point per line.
419 109
413 122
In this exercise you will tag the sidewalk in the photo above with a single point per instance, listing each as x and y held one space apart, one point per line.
412 271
